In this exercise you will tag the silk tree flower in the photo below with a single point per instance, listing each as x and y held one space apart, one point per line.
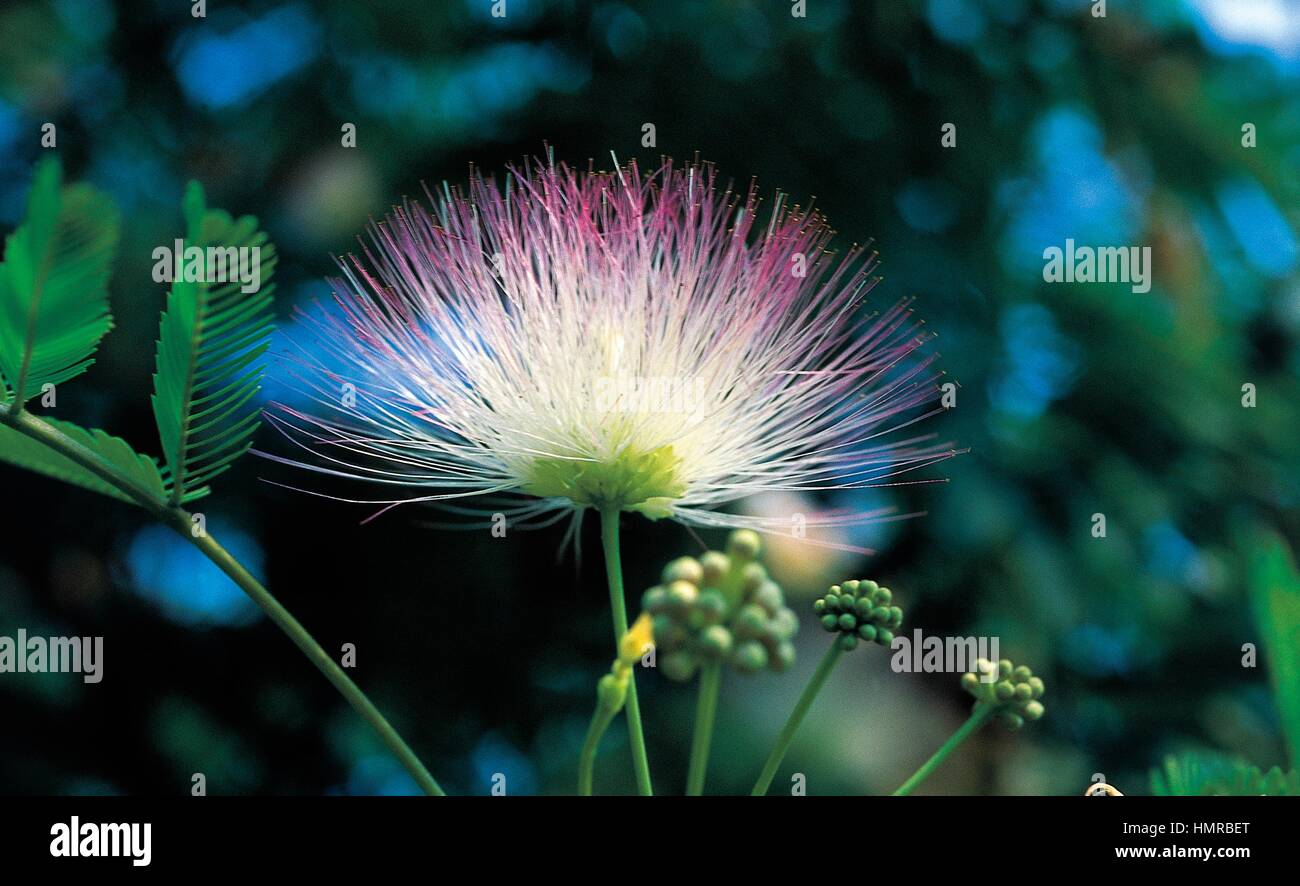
612 340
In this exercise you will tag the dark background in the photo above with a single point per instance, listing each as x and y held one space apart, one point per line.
1074 399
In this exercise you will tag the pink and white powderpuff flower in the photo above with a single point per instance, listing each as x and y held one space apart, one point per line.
612 340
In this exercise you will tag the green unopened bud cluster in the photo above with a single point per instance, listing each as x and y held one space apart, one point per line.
859 610
1013 689
721 607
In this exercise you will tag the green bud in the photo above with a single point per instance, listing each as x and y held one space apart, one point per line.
868 588
712 606
769 596
880 615
1012 720
867 632
749 657
834 589
848 622
784 657
611 692
684 569
832 602
1023 692
864 607
970 683
715 641
681 596
784 625
830 622
679 666
752 577
895 616
882 596
819 606
1004 668
848 642
744 544
1034 710
851 586
667 633
714 565
1036 684
884 636
1004 690
750 622
654 600
1021 674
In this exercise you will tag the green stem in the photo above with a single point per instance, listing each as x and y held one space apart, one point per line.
614 571
796 717
792 725
181 522
973 722
706 709
318 656
600 721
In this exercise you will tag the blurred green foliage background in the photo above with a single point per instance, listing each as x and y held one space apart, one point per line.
1074 399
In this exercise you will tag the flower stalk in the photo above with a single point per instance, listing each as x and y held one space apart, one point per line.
976 719
611 695
853 611
600 721
796 718
706 710
618 609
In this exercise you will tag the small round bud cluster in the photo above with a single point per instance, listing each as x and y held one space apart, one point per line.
859 610
1013 689
721 607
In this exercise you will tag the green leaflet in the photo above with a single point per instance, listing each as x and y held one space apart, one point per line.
1204 775
210 339
1274 587
25 452
54 285
1275 597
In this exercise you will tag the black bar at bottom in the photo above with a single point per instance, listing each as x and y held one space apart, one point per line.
633 839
